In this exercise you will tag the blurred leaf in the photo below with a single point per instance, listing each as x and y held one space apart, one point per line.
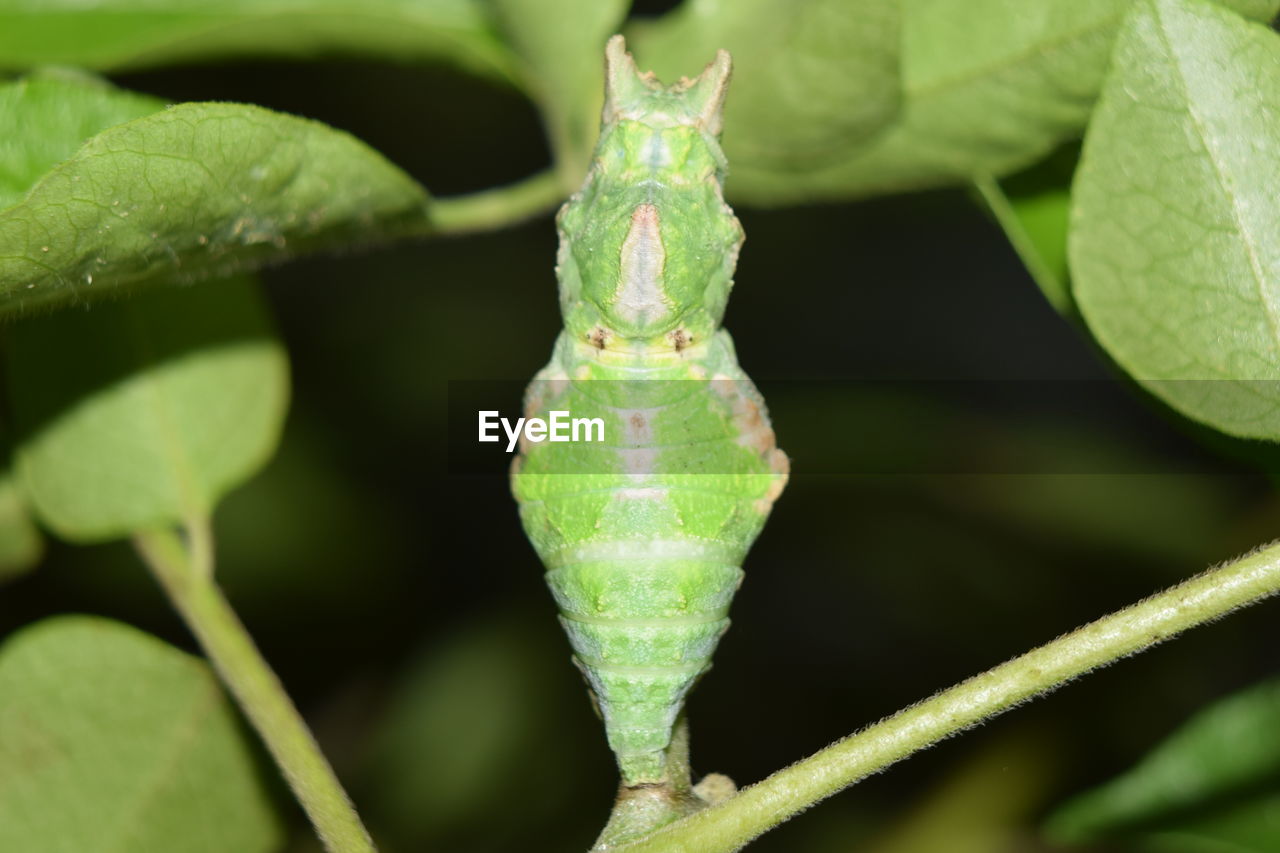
144 413
111 740
1175 241
811 78
474 719
1213 785
58 109
21 546
989 86
119 34
560 44
1033 208
266 531
193 190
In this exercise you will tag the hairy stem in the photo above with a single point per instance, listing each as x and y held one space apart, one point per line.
185 572
497 207
733 823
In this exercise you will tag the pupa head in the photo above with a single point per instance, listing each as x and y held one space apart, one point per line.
648 245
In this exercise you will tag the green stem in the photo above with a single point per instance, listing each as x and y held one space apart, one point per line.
732 824
185 573
1051 283
495 207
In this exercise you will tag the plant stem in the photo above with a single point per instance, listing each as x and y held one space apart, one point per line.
1051 283
732 824
185 573
495 207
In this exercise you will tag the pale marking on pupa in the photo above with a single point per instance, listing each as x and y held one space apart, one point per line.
638 463
641 494
779 464
640 298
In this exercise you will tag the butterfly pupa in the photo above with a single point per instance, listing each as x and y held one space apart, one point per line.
643 535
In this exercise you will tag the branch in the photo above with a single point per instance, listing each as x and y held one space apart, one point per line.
494 208
1208 596
186 574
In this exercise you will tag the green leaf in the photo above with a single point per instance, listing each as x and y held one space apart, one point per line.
21 546
560 44
57 110
143 413
989 87
111 740
1175 237
811 78
1033 208
120 34
195 190
1210 786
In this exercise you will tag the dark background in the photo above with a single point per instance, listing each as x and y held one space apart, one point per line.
405 612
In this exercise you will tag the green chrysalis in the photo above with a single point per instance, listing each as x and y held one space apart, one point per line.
643 535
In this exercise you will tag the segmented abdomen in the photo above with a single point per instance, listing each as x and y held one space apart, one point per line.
643 542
